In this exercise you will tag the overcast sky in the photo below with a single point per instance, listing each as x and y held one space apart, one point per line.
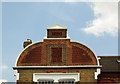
94 24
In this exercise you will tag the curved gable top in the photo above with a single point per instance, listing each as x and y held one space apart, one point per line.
33 54
25 50
93 55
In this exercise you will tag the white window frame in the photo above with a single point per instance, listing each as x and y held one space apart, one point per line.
56 76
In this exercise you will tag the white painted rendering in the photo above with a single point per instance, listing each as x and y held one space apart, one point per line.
56 76
118 61
97 73
45 38
16 74
98 69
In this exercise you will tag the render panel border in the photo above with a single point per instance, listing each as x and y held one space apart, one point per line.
56 76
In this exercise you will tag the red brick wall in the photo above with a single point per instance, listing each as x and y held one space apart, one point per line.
57 33
33 56
86 75
56 55
71 53
80 56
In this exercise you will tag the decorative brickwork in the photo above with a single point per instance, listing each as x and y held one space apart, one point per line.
62 60
56 55
57 33
71 53
33 56
80 56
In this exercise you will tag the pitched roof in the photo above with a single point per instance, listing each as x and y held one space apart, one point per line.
110 63
57 26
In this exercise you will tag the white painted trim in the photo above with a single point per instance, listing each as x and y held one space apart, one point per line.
79 76
90 49
16 74
55 28
99 58
25 49
81 66
57 74
45 38
118 61
97 73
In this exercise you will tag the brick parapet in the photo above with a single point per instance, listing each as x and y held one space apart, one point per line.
86 75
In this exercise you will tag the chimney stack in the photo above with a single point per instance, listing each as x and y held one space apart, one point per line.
26 43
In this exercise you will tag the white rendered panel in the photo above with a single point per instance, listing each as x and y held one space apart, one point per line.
55 76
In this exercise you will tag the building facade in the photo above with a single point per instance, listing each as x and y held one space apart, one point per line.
110 70
57 59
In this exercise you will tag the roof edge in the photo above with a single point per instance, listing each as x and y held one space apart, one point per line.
25 49
36 67
108 56
90 50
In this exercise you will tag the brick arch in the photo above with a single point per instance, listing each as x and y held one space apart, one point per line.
82 55
30 55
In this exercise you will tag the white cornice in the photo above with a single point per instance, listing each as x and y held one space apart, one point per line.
45 38
55 38
81 66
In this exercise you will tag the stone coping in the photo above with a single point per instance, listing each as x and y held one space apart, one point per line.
37 67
